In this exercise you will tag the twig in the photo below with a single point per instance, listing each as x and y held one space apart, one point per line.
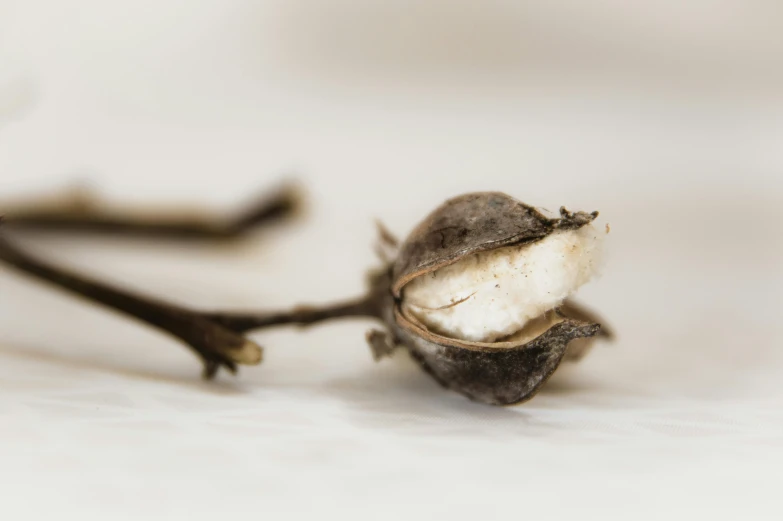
215 344
81 212
215 337
303 316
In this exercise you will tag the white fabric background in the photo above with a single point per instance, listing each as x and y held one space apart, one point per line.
667 117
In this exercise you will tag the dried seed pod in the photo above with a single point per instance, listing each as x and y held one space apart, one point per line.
502 349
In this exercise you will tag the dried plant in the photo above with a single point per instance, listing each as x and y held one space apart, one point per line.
477 294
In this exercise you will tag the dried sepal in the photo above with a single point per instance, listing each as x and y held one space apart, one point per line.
382 343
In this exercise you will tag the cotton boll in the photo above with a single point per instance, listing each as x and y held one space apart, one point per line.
477 295
493 294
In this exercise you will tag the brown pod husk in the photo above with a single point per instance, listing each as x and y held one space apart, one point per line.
579 348
473 223
499 373
494 375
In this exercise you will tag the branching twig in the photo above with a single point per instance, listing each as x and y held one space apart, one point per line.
79 211
215 344
215 337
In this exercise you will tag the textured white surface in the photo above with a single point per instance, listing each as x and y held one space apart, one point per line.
667 118
494 294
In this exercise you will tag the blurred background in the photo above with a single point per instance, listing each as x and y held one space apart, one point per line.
666 116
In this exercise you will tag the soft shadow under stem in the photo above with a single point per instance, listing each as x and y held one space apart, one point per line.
217 338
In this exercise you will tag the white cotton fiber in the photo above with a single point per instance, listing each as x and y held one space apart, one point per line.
493 294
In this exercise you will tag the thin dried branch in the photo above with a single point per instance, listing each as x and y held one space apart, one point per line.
216 345
80 211
303 316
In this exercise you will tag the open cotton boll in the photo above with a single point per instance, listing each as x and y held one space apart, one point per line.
493 294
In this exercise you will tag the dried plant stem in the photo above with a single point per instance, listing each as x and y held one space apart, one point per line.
215 344
80 212
303 316
218 338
